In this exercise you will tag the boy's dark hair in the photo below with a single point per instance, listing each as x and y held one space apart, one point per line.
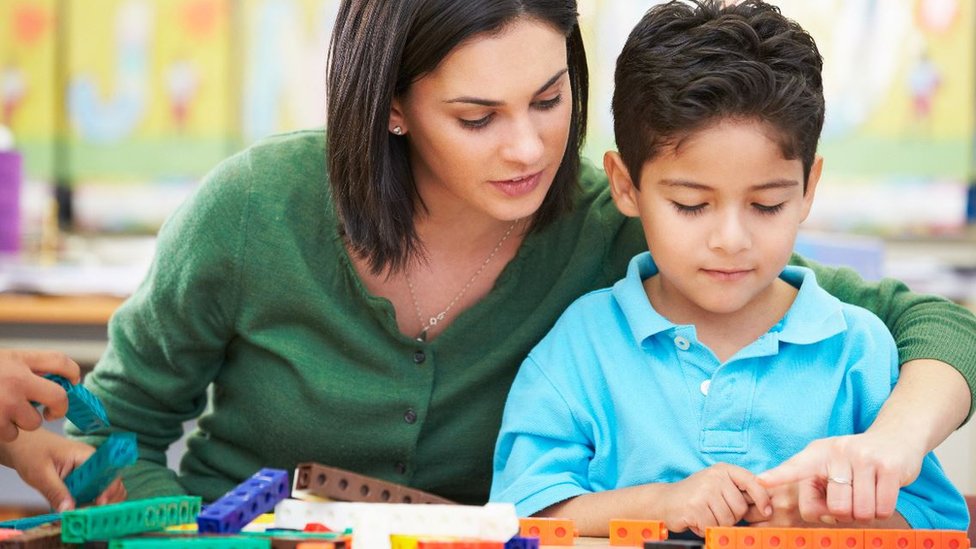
686 65
379 48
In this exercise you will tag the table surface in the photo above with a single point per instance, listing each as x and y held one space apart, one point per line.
38 309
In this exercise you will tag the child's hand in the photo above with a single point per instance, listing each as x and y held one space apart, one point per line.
43 459
21 383
720 495
786 510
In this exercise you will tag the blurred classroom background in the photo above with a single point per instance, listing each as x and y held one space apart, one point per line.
117 108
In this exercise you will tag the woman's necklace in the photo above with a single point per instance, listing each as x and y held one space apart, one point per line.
425 326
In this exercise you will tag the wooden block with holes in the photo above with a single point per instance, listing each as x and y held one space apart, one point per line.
550 531
634 533
342 485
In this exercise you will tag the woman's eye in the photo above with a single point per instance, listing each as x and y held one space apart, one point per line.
476 124
689 210
547 104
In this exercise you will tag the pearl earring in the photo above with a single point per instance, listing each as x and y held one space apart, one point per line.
397 130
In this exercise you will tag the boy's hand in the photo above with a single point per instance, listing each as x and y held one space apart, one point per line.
852 478
43 459
717 496
21 383
786 510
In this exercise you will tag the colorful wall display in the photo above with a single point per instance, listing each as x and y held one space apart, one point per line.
156 90
147 82
28 96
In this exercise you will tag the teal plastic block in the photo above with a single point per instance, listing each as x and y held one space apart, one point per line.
30 522
256 495
201 542
62 381
94 475
84 408
131 517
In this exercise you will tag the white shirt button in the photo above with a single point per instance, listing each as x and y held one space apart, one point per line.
681 343
704 386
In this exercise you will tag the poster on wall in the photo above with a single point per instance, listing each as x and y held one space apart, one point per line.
283 75
28 94
149 88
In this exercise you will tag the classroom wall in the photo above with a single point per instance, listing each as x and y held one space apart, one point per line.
130 102
150 94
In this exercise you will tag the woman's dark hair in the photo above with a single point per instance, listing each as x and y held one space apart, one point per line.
685 66
379 48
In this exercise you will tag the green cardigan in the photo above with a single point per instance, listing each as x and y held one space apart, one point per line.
253 315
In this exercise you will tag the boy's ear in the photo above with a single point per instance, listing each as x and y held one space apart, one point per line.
621 185
816 169
397 120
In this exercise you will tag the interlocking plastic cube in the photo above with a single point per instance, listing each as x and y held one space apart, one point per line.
256 495
635 532
550 531
131 517
84 408
176 542
94 475
518 542
30 522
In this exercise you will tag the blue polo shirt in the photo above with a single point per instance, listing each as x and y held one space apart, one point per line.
617 395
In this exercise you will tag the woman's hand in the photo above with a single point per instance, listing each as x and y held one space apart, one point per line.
851 478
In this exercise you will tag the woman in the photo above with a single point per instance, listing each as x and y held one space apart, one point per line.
370 311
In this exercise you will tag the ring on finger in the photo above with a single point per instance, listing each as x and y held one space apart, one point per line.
839 480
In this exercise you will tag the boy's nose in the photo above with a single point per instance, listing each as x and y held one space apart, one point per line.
730 234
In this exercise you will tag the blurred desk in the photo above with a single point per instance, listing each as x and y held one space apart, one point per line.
64 303
74 325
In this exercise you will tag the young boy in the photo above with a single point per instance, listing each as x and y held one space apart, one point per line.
659 398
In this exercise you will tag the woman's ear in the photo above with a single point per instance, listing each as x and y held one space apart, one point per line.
621 185
397 124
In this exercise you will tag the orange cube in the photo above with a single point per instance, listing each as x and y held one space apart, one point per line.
928 539
635 532
850 538
824 538
879 538
773 538
954 539
722 537
799 538
748 538
550 531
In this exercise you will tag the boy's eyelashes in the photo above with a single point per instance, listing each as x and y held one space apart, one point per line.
768 210
689 210
695 209
541 105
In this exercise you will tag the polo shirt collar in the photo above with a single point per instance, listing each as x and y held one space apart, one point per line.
815 315
629 293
